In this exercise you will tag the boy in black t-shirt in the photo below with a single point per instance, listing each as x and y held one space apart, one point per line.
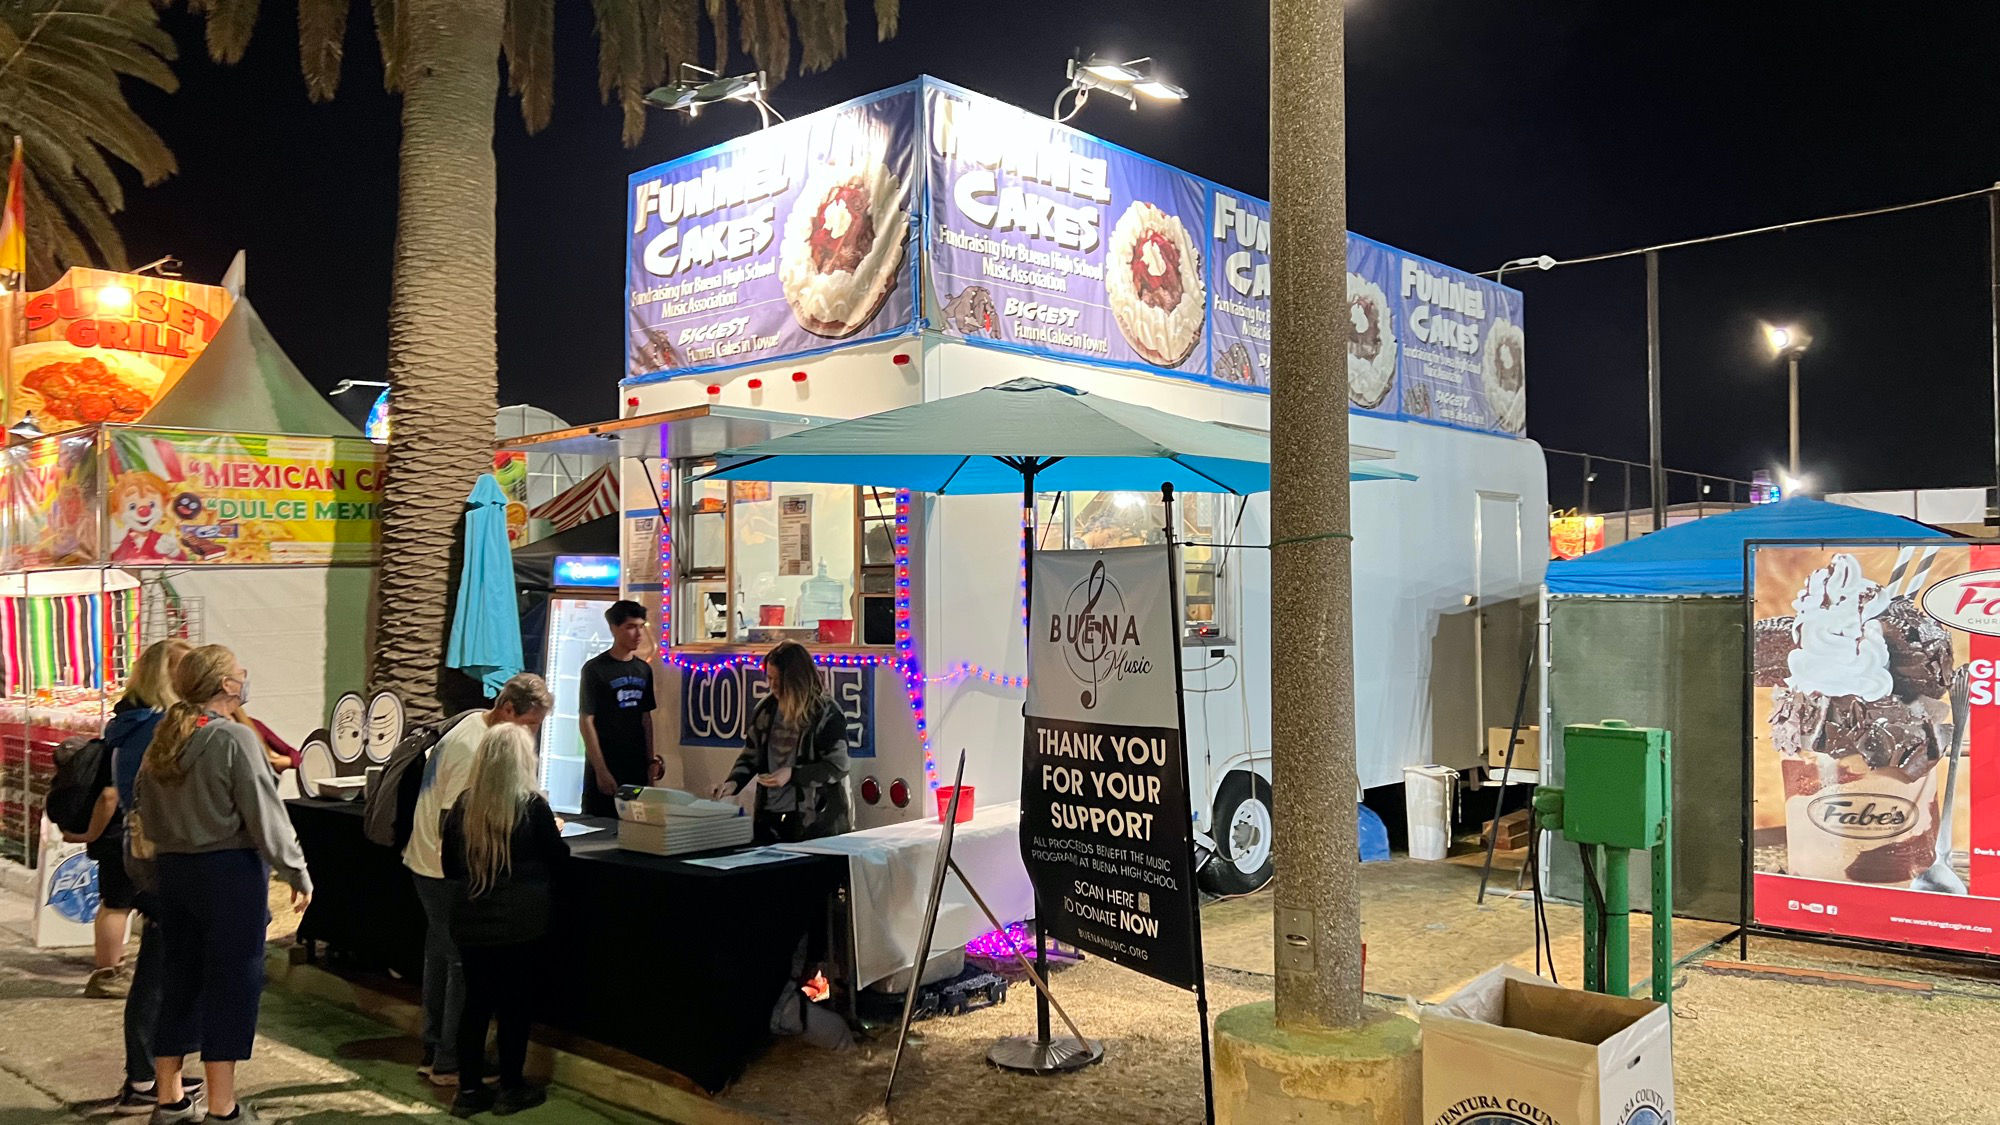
616 713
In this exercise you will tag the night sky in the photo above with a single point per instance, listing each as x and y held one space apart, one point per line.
1478 133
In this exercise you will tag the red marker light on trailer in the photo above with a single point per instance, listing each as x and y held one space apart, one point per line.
871 790
900 359
798 376
899 793
714 390
756 384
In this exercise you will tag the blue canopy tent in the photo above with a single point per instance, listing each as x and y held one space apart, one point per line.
1652 631
1705 556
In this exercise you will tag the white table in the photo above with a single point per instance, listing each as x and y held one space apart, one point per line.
889 873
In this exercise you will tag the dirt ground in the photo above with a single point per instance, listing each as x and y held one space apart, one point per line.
1777 1040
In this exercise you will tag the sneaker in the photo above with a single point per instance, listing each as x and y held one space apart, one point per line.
133 1101
189 1110
469 1102
518 1098
445 1078
244 1116
107 984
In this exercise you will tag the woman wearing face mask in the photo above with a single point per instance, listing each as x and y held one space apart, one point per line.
207 807
795 749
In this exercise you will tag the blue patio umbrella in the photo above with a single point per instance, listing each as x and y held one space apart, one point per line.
1023 435
486 625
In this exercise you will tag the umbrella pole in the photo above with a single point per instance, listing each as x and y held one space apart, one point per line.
1042 1054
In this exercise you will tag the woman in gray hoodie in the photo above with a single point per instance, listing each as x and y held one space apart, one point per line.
207 808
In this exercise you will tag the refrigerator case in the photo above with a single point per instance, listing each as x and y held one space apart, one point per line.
577 632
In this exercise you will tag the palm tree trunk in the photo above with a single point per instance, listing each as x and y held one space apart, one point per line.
1312 689
442 349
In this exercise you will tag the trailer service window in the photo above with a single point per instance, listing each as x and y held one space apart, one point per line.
762 561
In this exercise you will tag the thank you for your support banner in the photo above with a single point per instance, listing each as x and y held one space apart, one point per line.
1104 805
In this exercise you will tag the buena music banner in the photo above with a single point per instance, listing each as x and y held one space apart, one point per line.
1104 806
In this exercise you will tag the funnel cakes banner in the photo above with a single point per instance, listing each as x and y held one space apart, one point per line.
1873 817
782 242
1051 240
1036 238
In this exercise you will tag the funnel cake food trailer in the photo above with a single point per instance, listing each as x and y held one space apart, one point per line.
926 241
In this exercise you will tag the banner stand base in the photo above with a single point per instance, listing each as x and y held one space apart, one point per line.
1027 1055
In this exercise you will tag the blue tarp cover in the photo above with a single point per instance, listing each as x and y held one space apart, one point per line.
1705 556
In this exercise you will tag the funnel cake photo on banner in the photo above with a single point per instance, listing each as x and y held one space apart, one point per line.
843 248
1152 276
1503 375
1371 343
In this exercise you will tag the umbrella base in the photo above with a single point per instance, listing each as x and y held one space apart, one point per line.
1030 1056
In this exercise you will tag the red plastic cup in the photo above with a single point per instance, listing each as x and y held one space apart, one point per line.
964 802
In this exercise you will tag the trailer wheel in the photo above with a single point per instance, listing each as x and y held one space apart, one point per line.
1242 826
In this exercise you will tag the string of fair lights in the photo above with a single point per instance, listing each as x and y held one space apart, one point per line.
904 660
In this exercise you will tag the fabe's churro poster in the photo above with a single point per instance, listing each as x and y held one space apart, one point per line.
178 498
1875 741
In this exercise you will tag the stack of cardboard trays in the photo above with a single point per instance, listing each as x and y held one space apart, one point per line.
669 822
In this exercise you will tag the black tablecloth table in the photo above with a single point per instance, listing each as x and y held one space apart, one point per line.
677 963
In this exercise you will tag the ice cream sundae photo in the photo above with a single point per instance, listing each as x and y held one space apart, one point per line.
1858 675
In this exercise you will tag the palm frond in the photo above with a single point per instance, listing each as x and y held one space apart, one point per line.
229 26
389 37
528 43
642 41
718 17
822 33
766 35
61 65
322 42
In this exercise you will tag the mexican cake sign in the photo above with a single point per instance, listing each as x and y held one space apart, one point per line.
185 498
1027 235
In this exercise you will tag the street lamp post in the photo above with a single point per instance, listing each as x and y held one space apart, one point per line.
1794 363
1790 342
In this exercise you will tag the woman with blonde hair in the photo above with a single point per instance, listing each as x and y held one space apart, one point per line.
501 845
149 691
208 811
795 747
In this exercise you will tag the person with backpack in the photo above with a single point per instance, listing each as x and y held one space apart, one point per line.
523 701
149 691
206 812
501 846
795 749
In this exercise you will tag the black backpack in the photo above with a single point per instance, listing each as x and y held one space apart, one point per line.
78 781
390 806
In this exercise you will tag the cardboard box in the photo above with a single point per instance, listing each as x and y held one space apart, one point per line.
1527 748
1510 1047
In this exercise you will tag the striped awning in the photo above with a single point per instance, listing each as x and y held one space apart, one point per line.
592 497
